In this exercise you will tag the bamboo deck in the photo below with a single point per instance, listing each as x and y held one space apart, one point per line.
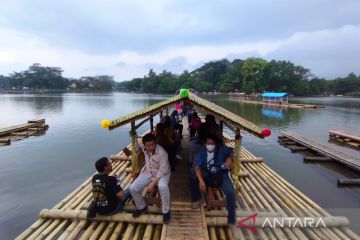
262 191
322 150
18 132
348 139
285 105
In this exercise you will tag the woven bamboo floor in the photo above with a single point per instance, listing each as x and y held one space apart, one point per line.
262 191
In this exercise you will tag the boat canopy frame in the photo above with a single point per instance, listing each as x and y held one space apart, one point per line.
233 121
230 119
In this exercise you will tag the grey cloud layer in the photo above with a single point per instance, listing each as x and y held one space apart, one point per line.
322 35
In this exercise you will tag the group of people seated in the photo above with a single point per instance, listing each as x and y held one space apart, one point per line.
211 164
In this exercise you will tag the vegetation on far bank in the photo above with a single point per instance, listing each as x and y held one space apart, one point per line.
247 76
38 77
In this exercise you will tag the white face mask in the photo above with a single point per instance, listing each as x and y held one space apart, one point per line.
210 147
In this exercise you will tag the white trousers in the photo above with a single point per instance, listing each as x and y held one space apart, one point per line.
137 187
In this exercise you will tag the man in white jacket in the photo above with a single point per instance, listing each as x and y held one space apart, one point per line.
155 172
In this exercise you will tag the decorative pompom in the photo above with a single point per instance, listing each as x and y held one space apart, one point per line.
105 123
184 92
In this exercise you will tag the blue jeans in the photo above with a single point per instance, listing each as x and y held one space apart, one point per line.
226 186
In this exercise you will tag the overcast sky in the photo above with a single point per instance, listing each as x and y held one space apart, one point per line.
126 38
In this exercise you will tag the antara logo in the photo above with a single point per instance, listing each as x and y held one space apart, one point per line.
275 222
251 217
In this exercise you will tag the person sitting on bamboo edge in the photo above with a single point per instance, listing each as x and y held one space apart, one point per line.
211 168
108 196
155 172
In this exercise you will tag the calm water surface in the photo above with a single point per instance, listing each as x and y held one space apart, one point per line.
38 172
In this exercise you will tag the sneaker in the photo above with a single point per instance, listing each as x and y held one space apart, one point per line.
166 217
178 156
234 231
138 212
195 205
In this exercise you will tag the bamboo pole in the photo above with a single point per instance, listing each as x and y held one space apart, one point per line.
89 231
41 228
148 232
275 204
108 230
76 230
157 232
164 232
48 230
134 161
117 231
67 231
138 233
241 213
97 231
129 232
309 211
294 222
300 209
212 233
57 230
151 124
82 215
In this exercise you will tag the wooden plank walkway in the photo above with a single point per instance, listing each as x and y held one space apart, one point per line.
323 150
186 223
346 138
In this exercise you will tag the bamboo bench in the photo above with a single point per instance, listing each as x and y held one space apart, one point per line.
211 201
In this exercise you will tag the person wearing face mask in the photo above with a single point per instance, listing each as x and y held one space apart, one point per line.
211 168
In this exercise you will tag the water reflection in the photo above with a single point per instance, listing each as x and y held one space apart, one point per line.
39 104
272 112
39 172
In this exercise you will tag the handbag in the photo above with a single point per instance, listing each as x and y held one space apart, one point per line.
215 178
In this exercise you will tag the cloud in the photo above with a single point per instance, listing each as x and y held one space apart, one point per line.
112 26
328 53
126 38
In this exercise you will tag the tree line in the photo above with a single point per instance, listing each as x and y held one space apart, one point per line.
39 77
252 75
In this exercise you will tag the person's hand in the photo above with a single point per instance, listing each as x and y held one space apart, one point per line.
150 187
202 186
121 194
229 163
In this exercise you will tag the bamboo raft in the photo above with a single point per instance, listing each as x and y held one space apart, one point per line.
293 141
33 127
345 138
259 190
284 105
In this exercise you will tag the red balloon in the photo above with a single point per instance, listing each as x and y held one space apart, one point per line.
266 132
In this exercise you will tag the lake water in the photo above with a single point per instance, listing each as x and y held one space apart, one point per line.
38 172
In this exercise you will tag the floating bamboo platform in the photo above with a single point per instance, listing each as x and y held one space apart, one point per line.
261 191
33 127
296 142
284 105
345 138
